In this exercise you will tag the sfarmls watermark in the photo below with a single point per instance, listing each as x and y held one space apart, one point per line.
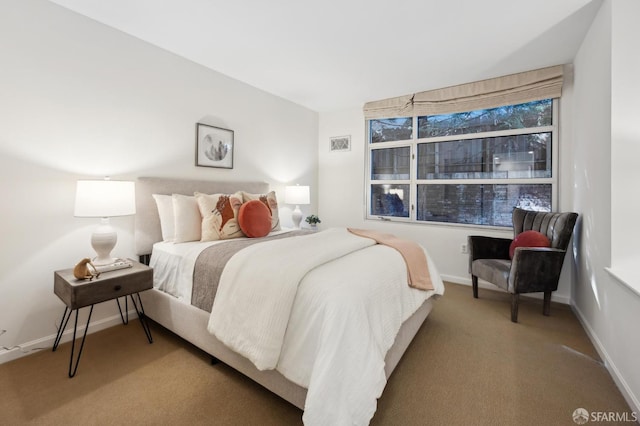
582 416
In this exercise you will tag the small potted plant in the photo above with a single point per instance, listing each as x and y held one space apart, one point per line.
313 221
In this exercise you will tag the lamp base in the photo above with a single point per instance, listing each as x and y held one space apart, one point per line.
103 240
296 216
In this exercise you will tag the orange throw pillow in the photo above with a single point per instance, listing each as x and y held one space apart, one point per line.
255 219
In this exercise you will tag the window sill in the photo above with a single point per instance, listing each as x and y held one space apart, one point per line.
627 276
396 220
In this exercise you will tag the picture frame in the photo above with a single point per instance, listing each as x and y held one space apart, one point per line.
214 146
340 143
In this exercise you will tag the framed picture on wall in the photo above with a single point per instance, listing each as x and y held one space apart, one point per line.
340 143
214 146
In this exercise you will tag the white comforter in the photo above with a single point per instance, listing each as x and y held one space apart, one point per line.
258 285
325 321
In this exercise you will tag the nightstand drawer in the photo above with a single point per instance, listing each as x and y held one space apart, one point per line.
110 285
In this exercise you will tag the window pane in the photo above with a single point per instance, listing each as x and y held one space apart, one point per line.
390 200
522 116
480 204
506 157
390 163
391 129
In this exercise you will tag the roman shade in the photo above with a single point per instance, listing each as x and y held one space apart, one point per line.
511 89
402 106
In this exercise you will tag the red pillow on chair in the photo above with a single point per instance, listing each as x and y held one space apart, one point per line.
528 239
254 218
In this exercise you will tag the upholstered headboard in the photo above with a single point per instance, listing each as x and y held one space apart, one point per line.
147 220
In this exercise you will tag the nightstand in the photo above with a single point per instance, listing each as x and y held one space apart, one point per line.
77 294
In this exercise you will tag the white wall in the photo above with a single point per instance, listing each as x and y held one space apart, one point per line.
80 100
609 310
625 140
342 195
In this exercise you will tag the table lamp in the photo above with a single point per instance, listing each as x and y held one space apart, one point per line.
296 195
104 198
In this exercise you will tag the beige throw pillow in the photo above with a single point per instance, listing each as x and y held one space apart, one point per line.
219 215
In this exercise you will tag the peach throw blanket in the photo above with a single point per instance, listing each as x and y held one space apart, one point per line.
413 254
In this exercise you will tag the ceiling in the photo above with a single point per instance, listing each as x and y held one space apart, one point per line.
337 54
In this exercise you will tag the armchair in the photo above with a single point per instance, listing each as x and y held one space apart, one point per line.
531 269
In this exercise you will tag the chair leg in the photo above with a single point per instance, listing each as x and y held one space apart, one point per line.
474 281
514 307
546 306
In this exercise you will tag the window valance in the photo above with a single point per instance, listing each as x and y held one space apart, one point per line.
517 88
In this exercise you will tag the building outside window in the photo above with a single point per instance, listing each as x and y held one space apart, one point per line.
469 168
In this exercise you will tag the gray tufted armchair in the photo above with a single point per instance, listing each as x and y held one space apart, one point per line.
531 269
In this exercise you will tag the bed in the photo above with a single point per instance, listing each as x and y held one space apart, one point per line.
302 373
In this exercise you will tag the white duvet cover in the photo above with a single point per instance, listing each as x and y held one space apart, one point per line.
343 319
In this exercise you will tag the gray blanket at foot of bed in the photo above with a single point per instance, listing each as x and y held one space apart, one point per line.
211 262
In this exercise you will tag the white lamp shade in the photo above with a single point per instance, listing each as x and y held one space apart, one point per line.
296 195
105 198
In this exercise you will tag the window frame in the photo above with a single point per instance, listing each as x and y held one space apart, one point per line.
413 181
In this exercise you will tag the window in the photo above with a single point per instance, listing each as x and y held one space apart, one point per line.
466 168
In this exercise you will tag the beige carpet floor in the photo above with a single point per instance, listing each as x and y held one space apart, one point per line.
468 365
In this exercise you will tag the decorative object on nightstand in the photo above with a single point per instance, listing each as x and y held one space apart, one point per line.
77 294
104 198
118 263
85 270
313 221
297 195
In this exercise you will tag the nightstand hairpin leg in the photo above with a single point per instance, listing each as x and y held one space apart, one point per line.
63 324
139 311
141 316
73 345
126 310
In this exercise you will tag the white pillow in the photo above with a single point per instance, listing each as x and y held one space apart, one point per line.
165 211
187 219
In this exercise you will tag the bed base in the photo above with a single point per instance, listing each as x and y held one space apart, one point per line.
190 323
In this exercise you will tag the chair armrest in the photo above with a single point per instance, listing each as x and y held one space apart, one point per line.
535 269
488 247
481 247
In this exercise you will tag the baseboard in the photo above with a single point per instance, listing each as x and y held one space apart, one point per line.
565 300
46 343
622 385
